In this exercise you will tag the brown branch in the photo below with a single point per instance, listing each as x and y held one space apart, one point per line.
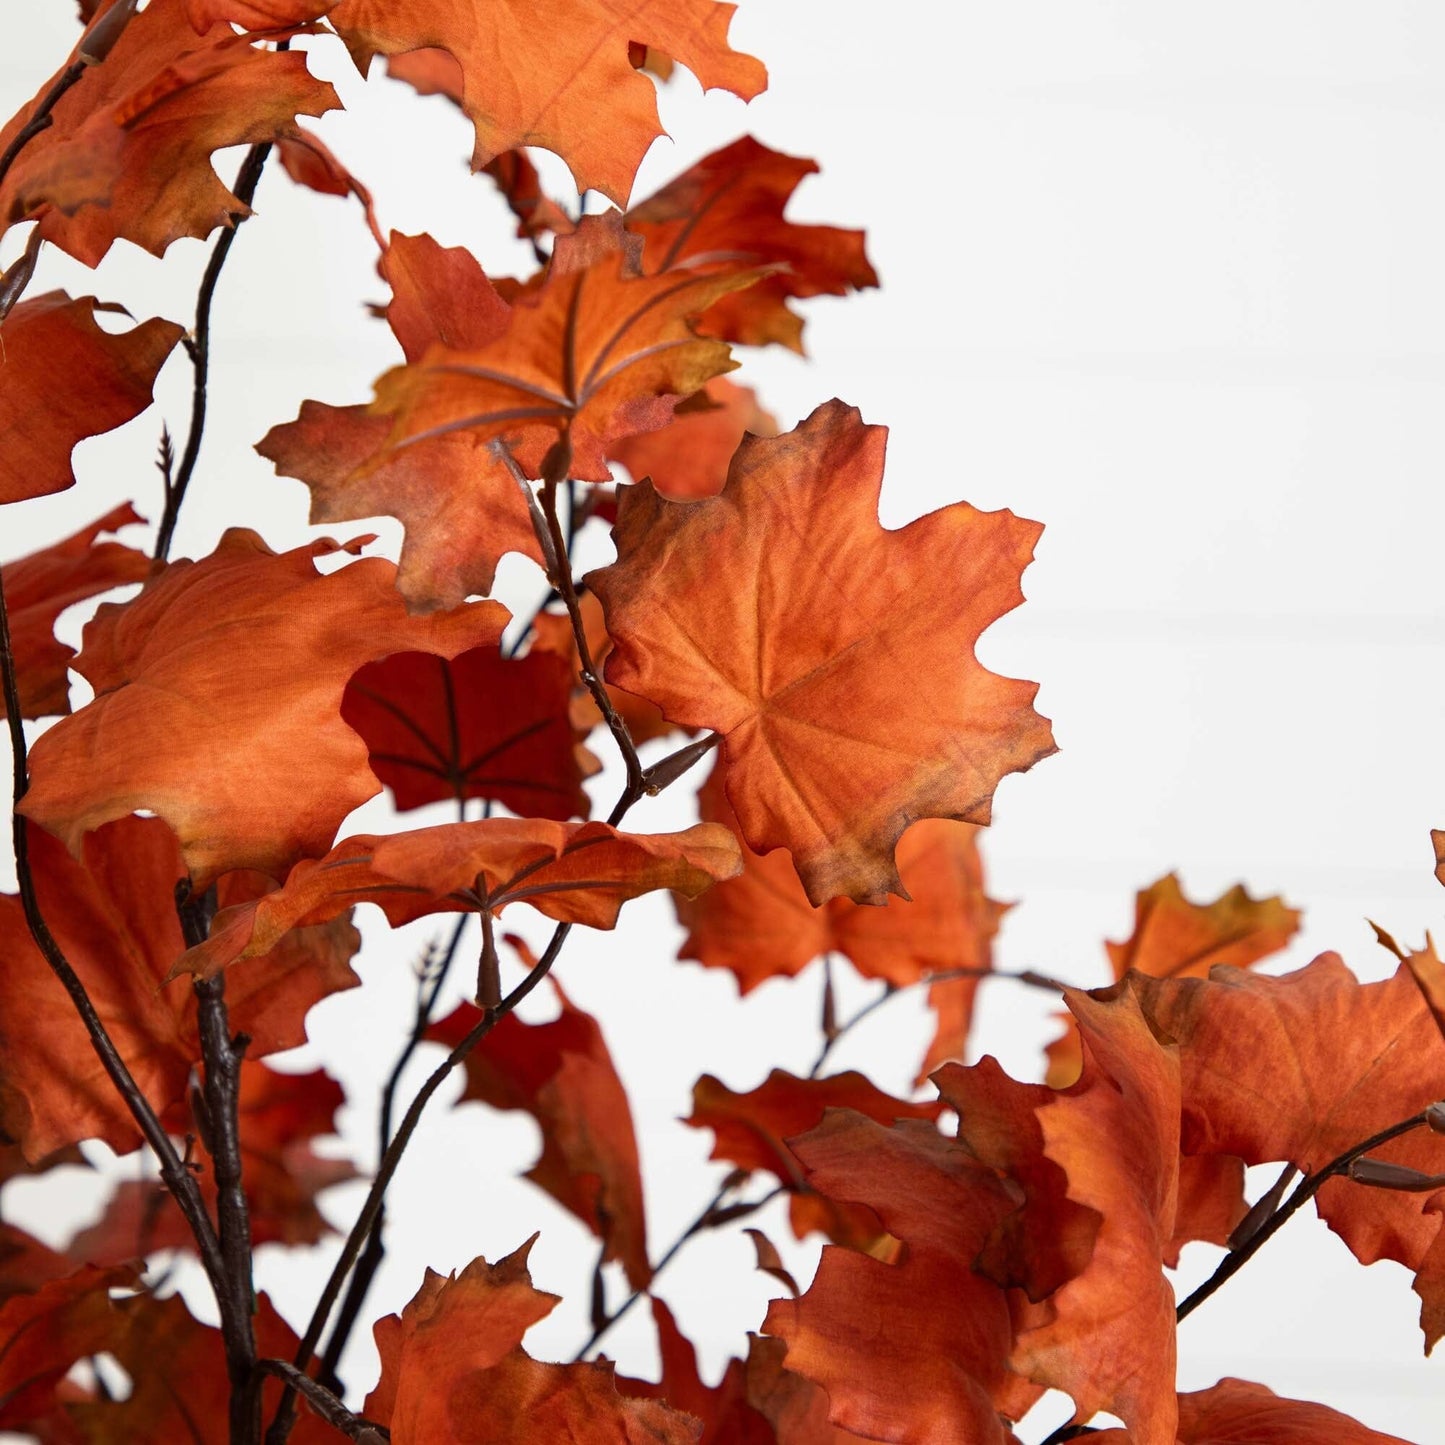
1028 976
713 1216
553 542
430 979
198 344
327 1406
1306 1190
221 1094
177 1178
286 1412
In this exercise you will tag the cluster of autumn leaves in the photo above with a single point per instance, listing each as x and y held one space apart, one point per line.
989 1241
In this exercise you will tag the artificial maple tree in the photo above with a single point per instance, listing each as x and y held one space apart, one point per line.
183 897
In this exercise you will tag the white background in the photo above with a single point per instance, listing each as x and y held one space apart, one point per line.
1167 278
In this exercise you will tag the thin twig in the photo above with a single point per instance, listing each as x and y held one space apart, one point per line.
332 1410
222 1057
177 1178
713 1214
286 1412
1028 976
553 542
1306 1190
199 342
429 987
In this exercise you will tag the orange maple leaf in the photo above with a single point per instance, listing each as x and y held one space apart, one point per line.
1304 1066
108 380
114 915
594 353
752 1131
239 661
562 1074
571 872
824 649
1234 1412
571 84
915 1350
689 457
453 1372
1176 938
39 587
728 209
280 1116
129 153
458 502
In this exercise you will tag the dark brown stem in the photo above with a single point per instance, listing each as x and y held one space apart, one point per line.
177 1178
429 986
561 568
1028 976
1069 1432
354 1427
286 1412
221 1106
713 1215
1306 1190
199 343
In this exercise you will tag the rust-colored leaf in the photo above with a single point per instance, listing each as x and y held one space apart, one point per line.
839 670
689 457
1108 1339
114 916
914 1351
515 176
482 725
1175 938
38 588
310 163
760 924
179 1386
729 208
562 1074
572 872
108 380
281 1116
751 1131
1236 1412
453 1372
129 154
1303 1067
254 14
457 501
46 1331
571 86
239 662
596 353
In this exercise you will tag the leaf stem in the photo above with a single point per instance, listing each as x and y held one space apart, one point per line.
839 1032
198 344
1303 1192
712 1216
222 1055
44 116
286 1412
327 1405
429 986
